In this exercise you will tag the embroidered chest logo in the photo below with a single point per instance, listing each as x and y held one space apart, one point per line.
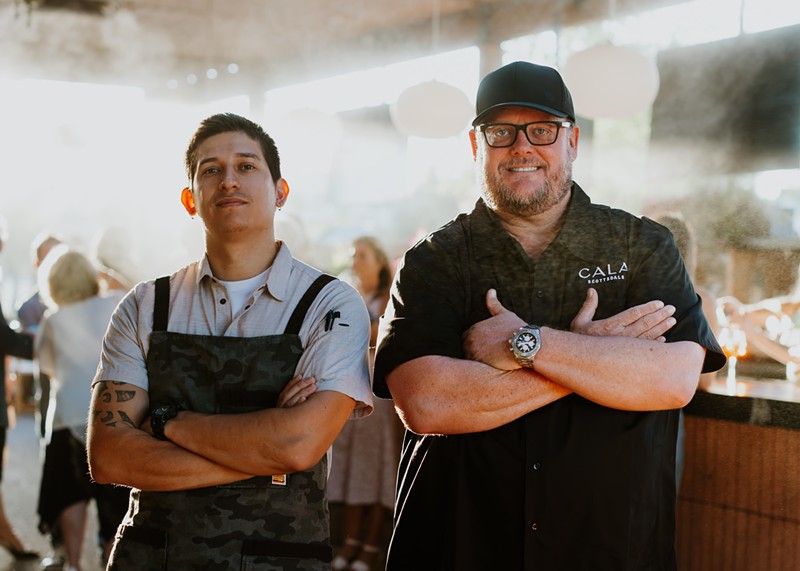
605 273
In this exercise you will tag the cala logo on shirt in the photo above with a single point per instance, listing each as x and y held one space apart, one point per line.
603 273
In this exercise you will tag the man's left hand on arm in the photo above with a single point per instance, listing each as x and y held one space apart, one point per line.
646 321
487 340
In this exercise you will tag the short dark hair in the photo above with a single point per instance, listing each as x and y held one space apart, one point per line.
227 123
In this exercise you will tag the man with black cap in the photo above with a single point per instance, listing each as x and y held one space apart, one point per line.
557 453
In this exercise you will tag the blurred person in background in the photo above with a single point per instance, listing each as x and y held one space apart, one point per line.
30 314
19 345
67 347
763 313
32 310
771 326
687 245
783 349
111 248
367 451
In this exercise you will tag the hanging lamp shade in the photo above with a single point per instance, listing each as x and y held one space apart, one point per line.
432 109
611 82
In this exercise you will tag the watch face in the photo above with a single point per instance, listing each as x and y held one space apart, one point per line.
167 411
525 342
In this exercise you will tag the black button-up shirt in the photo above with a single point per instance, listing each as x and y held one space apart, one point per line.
573 485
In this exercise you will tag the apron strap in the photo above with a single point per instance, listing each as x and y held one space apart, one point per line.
296 321
161 305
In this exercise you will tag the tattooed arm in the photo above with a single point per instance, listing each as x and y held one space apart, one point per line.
121 453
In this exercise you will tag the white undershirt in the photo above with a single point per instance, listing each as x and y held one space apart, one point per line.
241 291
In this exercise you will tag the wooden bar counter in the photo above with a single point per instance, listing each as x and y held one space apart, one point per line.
739 501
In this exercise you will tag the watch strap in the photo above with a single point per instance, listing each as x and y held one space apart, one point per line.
526 362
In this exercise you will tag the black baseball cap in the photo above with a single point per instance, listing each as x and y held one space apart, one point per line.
524 84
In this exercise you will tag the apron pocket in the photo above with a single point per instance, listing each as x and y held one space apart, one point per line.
138 548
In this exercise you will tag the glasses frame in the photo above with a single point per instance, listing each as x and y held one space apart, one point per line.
524 129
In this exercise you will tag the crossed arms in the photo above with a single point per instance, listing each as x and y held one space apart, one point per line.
204 450
621 362
207 450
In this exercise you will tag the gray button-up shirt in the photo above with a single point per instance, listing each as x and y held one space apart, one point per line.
336 354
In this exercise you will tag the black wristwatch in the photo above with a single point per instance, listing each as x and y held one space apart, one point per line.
525 343
159 417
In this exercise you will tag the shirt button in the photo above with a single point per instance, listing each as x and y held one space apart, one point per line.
534 527
540 294
537 465
223 301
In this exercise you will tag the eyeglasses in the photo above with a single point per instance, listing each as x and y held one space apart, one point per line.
538 133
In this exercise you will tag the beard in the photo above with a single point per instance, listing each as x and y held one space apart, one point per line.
552 191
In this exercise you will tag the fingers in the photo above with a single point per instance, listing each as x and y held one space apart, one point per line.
493 304
655 324
731 306
587 310
632 314
730 301
297 391
736 318
640 315
647 321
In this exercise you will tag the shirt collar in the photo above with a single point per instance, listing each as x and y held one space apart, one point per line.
276 281
579 232
278 276
576 235
203 270
489 238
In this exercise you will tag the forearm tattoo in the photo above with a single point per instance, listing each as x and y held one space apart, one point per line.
111 396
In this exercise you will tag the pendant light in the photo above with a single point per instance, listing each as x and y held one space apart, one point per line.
432 109
611 82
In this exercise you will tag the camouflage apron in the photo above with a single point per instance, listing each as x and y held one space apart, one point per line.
267 522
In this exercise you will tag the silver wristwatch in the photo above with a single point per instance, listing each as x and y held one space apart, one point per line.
525 343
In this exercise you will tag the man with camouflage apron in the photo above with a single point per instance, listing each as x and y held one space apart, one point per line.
220 389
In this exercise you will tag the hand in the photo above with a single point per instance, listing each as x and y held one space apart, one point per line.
487 340
647 321
731 306
297 391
